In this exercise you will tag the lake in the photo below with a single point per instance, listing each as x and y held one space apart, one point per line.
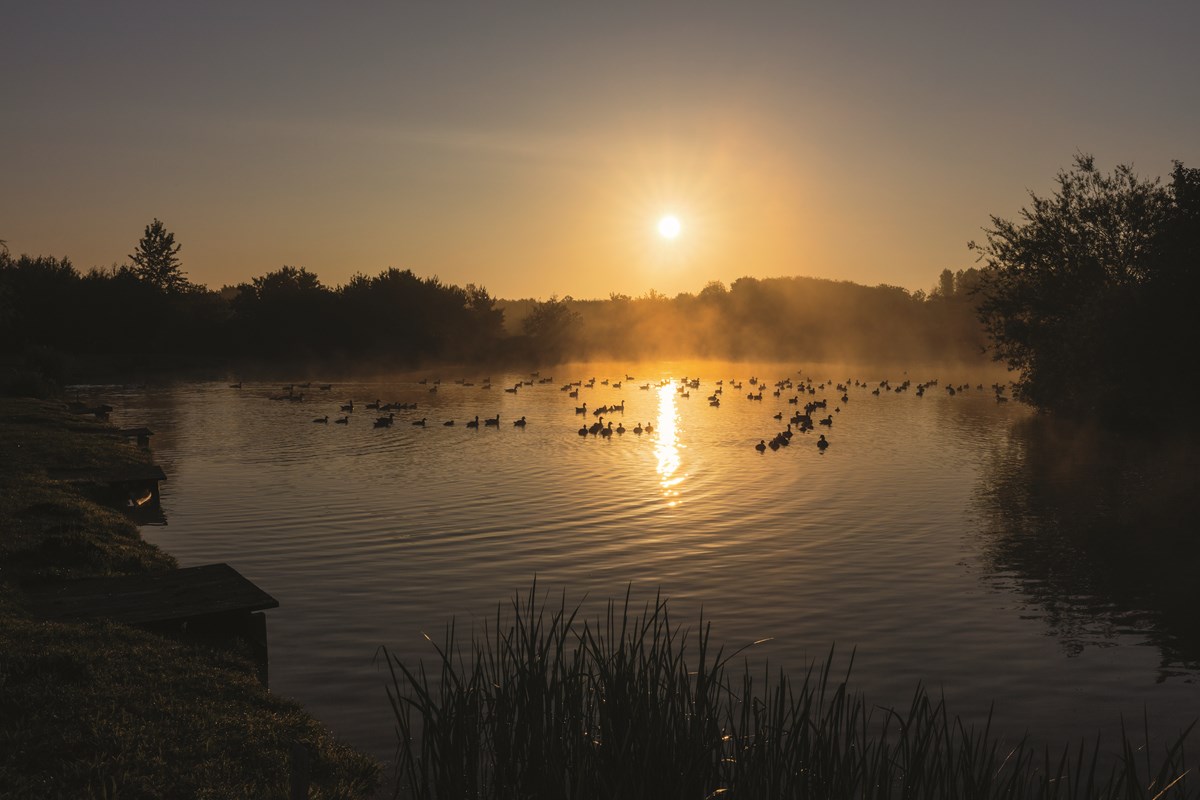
948 540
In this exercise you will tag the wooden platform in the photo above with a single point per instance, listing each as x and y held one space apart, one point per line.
212 603
184 594
100 411
133 473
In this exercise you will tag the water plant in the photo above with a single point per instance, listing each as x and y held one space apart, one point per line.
545 704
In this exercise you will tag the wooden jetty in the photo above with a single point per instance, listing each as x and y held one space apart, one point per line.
213 603
126 474
100 411
130 486
142 435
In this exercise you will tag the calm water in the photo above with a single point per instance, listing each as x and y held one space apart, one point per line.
948 540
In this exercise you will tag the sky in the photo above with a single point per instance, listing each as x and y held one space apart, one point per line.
532 148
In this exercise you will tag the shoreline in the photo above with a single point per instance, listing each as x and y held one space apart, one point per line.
103 709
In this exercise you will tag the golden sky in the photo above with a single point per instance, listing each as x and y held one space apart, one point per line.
532 148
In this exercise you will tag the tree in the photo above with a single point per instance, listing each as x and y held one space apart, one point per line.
156 260
1073 296
550 327
945 287
714 291
284 312
551 319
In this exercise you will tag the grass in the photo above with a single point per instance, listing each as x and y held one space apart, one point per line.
102 710
543 704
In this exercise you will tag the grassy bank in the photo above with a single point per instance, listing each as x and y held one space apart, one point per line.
101 710
543 704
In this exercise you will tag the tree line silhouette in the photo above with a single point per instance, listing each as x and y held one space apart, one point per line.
810 319
146 315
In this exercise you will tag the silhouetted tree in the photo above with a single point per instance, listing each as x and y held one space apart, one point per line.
44 307
713 291
1078 292
549 327
156 259
485 322
286 312
945 287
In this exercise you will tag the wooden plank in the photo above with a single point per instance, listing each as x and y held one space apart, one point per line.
132 473
101 411
182 594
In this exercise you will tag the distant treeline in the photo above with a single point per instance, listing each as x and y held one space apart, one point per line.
52 315
766 319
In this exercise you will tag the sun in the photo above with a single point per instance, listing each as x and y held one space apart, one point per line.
669 227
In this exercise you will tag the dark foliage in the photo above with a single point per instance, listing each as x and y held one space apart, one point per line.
547 704
1091 289
147 317
156 259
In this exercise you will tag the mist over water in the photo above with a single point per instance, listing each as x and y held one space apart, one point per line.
929 539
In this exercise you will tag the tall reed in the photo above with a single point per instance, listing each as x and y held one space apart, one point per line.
543 704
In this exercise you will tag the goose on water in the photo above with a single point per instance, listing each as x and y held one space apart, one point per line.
474 423
520 423
493 421
420 423
761 446
342 421
322 420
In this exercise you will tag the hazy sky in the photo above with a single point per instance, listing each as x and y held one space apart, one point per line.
532 148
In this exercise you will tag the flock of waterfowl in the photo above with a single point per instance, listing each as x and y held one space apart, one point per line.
809 412
290 393
804 421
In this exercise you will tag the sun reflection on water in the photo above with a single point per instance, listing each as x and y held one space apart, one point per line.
666 445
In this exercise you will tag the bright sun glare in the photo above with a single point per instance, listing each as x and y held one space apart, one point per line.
669 227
